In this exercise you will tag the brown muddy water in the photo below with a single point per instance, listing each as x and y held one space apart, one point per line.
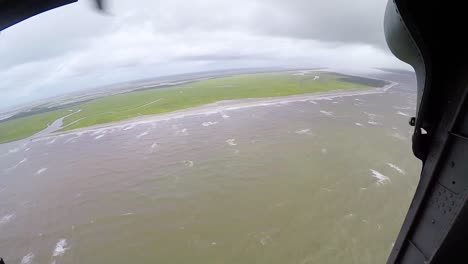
319 181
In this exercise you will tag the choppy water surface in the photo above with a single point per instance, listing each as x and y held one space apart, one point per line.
325 181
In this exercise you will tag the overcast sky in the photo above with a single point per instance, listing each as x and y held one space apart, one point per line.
74 47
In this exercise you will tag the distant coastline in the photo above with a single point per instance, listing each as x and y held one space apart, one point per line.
180 95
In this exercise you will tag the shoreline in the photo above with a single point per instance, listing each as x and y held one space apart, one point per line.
217 107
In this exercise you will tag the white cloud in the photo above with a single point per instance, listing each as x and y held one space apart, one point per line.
73 47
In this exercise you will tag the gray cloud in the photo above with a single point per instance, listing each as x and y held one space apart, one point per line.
73 47
345 21
358 21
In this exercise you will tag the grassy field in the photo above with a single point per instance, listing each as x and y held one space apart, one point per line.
128 105
27 126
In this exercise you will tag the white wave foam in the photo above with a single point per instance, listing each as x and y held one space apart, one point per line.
231 142
27 149
188 163
265 240
71 140
359 124
22 161
395 167
40 171
349 216
97 132
17 164
207 124
131 126
60 248
7 218
52 141
326 113
225 116
403 114
142 134
303 131
127 214
381 179
181 132
98 137
27 259
154 145
370 115
313 102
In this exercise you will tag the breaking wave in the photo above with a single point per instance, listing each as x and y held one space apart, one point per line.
207 124
7 218
27 259
60 248
395 167
381 179
231 142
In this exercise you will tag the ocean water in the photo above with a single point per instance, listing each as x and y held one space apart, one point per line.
316 181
